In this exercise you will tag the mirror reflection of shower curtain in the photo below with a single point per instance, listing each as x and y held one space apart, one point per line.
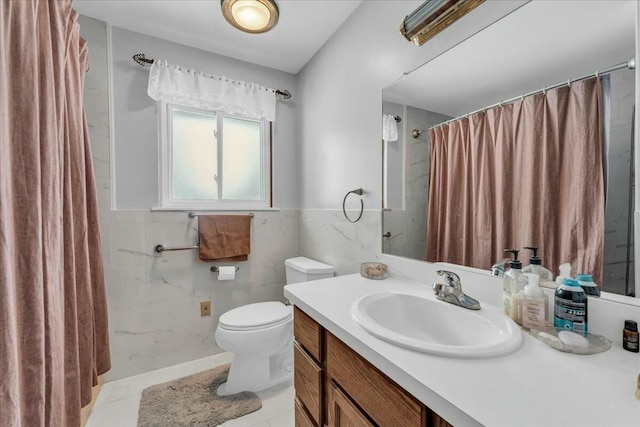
526 173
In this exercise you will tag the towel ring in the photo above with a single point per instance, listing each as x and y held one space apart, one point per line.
359 192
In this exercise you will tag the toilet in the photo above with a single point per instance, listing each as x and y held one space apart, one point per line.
260 335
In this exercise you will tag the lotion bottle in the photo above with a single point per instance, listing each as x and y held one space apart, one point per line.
534 305
512 288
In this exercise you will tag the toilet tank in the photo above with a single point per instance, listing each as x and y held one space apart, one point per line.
301 269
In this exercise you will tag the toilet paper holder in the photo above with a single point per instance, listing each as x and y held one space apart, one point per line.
214 269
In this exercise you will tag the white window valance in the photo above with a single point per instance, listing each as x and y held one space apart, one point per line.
189 88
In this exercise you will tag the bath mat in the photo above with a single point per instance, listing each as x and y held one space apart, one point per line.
192 401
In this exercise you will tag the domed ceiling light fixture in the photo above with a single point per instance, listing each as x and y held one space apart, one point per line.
251 16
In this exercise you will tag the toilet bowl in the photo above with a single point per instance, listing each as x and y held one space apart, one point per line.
260 335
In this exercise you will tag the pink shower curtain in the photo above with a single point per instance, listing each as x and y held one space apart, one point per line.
53 318
525 174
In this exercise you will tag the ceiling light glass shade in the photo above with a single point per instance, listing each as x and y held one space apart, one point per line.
251 16
432 17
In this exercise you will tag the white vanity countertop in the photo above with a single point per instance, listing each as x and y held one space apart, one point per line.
533 386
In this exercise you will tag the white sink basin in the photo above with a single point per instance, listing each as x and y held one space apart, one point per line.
420 322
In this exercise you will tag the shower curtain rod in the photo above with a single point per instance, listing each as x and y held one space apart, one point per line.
630 64
141 59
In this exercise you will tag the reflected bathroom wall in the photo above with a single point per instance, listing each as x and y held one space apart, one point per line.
618 240
407 225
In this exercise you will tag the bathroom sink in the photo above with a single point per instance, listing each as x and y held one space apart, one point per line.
420 322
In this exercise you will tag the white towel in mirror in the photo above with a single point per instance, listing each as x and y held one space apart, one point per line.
389 128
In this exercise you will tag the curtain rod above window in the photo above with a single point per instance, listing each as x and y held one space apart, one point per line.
141 59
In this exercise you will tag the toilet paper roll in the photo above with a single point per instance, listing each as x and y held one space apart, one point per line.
226 272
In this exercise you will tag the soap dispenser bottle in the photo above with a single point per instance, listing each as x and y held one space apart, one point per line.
570 307
588 285
534 305
535 267
565 273
512 288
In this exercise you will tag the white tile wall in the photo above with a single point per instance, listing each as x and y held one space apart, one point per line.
325 235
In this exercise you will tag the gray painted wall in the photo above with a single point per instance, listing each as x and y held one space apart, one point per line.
341 96
136 134
393 156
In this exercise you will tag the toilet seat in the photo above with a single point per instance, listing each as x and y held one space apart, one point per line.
256 316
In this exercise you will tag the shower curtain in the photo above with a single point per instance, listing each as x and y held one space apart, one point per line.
525 174
53 321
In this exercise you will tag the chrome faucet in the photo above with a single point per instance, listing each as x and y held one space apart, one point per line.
500 267
451 291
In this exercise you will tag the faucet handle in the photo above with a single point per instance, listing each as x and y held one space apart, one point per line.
451 278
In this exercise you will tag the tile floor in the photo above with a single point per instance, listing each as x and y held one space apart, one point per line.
118 401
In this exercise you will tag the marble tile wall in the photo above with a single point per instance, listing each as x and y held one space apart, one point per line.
325 235
154 299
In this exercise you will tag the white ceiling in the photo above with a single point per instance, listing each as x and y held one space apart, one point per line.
540 44
303 28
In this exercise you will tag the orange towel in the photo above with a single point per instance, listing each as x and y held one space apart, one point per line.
224 237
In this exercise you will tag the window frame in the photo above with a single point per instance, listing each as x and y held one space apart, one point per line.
165 157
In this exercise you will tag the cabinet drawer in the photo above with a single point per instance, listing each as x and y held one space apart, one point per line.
381 399
308 383
308 333
301 417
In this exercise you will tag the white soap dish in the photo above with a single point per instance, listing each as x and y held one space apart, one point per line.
571 342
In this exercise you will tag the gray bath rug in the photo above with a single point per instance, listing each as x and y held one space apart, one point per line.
192 401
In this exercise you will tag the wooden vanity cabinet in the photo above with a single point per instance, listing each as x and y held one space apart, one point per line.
337 387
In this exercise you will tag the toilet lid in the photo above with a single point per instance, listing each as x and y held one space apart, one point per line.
254 316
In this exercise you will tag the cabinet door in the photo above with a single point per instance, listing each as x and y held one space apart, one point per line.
342 411
385 402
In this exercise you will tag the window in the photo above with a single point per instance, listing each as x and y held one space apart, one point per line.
212 160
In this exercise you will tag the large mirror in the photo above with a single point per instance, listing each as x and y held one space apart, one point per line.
535 47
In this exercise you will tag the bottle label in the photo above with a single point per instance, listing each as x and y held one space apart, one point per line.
570 315
630 341
534 314
507 303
